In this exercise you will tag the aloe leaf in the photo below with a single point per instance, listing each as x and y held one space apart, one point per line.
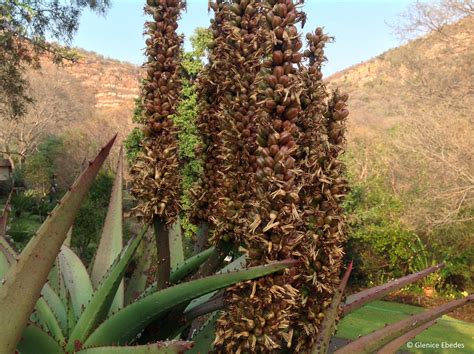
76 279
376 340
9 254
176 245
235 265
34 340
25 279
137 284
126 324
48 320
101 301
178 319
172 347
191 264
6 257
326 329
187 267
393 346
111 240
67 241
355 301
45 315
57 306
204 339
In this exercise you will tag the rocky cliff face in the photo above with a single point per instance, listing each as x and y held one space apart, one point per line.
115 83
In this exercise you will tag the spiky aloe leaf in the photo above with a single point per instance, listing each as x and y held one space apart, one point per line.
48 320
101 301
34 340
190 265
49 308
131 320
205 337
7 257
137 284
376 340
185 314
111 239
393 346
25 279
176 245
172 347
56 305
67 241
235 265
187 267
76 279
355 301
9 254
326 329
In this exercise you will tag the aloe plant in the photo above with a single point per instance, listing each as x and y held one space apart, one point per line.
53 305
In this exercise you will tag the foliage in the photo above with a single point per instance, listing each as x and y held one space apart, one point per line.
72 315
88 224
24 26
39 172
132 144
382 247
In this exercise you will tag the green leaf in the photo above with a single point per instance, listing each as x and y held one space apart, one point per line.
76 280
376 340
67 241
172 347
57 306
126 324
7 257
187 267
204 339
9 254
326 329
25 279
44 313
103 297
237 264
176 245
34 340
190 265
355 301
48 320
137 284
111 240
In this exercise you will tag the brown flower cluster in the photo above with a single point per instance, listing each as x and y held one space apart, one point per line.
293 210
228 89
155 174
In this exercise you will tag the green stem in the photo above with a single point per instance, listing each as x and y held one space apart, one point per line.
163 252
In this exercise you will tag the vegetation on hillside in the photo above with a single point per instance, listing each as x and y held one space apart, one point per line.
409 148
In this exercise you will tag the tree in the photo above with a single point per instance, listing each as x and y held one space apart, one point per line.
58 101
422 17
24 27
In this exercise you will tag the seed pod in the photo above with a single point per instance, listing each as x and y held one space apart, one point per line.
291 113
274 149
278 71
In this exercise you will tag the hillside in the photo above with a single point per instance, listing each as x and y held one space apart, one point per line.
411 146
439 64
109 85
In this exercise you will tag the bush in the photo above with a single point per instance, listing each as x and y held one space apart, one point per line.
381 247
88 224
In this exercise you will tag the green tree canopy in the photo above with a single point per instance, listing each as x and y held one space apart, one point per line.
25 26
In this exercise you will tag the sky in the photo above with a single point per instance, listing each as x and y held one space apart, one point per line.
361 28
